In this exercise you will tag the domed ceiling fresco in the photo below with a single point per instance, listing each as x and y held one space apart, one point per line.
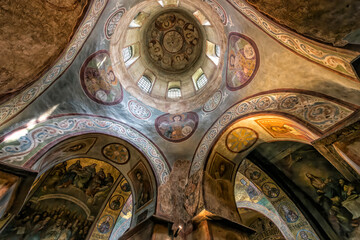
177 109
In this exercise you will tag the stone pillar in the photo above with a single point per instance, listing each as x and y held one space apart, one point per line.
154 228
210 226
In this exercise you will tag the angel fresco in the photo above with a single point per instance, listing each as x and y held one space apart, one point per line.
176 128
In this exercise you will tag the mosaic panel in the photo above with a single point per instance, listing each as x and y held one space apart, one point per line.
106 223
124 220
282 209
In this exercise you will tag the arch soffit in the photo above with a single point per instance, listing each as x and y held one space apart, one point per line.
287 229
307 107
35 141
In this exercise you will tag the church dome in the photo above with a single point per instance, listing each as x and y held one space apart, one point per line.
169 54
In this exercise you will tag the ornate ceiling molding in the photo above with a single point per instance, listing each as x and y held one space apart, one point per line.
319 112
44 135
332 58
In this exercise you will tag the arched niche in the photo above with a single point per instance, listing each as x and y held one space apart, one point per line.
75 165
327 198
25 144
288 103
241 143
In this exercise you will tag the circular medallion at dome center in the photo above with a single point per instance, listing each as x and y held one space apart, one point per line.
173 41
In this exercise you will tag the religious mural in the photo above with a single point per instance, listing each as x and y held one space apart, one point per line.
124 220
143 189
338 198
257 191
81 146
243 61
98 79
117 153
282 128
218 187
177 127
65 203
350 143
173 41
106 222
221 168
241 139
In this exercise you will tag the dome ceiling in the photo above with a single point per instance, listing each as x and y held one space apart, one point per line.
235 85
174 41
311 18
169 56
33 35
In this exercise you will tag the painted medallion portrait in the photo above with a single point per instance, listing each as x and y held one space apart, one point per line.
116 202
177 127
105 224
241 139
288 212
270 190
98 79
243 61
305 234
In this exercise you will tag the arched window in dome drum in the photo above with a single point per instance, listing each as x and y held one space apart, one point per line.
201 81
145 84
174 92
127 53
217 50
